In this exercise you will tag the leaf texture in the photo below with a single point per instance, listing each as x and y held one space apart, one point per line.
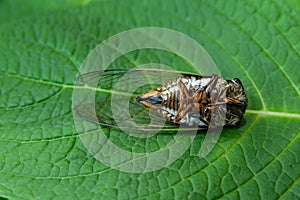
42 47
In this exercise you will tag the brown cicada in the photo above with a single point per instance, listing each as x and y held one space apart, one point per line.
182 98
196 100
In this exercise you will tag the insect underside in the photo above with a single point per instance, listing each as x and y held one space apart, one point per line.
206 101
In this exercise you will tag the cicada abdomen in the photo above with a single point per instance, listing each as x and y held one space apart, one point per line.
207 101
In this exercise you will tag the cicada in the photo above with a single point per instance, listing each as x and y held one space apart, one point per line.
195 100
185 99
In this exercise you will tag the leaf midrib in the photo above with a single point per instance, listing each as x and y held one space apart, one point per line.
85 87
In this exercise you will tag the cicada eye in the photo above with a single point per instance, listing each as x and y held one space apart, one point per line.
237 81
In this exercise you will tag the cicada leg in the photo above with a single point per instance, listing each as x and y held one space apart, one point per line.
184 97
181 114
184 91
212 83
233 101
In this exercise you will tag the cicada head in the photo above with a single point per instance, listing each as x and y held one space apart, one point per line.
237 102
237 90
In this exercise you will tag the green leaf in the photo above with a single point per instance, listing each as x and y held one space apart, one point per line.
43 44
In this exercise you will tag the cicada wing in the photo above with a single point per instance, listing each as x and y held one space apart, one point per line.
100 112
104 77
100 79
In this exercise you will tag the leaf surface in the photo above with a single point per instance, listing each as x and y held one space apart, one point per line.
42 47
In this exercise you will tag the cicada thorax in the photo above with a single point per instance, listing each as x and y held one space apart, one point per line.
208 101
